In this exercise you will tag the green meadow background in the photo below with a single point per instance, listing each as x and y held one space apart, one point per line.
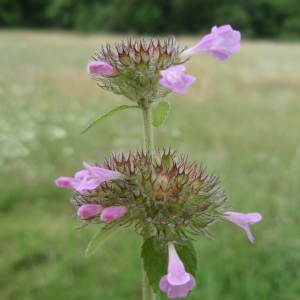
241 118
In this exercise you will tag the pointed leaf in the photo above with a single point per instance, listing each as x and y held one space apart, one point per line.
159 113
188 256
155 261
99 238
102 118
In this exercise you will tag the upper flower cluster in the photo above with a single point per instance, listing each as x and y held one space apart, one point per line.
146 70
133 68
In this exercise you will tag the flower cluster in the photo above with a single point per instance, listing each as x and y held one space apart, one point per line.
166 192
148 70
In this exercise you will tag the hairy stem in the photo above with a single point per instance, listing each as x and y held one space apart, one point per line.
148 138
148 133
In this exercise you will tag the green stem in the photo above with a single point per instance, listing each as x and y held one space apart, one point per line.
148 133
148 293
148 138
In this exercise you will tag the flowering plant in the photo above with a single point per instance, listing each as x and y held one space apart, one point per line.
164 195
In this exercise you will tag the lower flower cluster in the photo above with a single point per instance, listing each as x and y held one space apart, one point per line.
164 193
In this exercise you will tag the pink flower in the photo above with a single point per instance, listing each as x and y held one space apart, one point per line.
64 182
242 220
174 79
92 177
89 210
177 283
101 68
221 43
112 213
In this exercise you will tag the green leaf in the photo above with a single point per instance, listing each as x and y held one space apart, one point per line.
102 118
188 256
159 113
99 238
155 260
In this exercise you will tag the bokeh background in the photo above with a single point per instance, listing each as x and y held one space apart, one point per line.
241 118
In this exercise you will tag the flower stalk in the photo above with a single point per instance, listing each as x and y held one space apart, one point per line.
149 145
148 132
147 290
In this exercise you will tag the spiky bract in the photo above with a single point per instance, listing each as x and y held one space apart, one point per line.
165 192
139 64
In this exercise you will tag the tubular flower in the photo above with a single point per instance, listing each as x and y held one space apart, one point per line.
89 210
242 220
174 79
221 43
177 283
101 68
64 182
112 213
92 177
88 179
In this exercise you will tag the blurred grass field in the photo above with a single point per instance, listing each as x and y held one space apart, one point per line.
241 118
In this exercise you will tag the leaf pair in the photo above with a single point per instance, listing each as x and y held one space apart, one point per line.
159 114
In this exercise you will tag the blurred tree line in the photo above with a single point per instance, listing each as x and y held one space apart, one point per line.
255 18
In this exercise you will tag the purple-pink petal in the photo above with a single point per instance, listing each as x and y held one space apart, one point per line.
176 291
64 182
104 174
92 177
101 68
221 43
176 272
112 213
174 79
242 221
84 180
89 210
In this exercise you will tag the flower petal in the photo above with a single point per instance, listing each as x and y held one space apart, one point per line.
176 291
176 272
242 220
174 79
221 43
92 177
64 182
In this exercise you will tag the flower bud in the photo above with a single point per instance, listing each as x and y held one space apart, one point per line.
112 213
101 68
89 210
64 182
